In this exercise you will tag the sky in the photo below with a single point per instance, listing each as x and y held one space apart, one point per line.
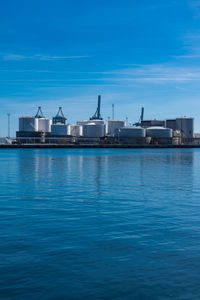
134 53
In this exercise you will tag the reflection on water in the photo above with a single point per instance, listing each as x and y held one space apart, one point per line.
99 224
97 171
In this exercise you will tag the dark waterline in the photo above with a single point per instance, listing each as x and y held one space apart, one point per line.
99 224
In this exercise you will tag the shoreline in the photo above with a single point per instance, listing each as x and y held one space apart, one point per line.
90 146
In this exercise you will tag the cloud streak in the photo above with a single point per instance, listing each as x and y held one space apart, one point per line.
19 57
154 74
187 56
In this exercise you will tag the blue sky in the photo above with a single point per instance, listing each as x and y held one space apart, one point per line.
134 53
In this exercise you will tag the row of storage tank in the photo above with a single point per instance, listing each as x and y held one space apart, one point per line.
184 125
134 132
101 128
86 128
32 124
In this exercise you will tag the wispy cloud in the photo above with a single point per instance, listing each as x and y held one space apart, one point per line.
191 45
18 57
158 74
195 5
153 74
187 56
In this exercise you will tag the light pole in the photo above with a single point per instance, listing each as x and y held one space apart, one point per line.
113 111
8 125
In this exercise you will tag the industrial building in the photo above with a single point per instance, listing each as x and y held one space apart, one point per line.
151 123
131 134
184 125
140 135
112 125
96 130
33 129
58 127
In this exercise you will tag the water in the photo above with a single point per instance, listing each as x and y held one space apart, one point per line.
99 224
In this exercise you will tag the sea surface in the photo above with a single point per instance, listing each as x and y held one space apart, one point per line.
99 224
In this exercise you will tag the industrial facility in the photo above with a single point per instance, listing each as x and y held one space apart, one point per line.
40 130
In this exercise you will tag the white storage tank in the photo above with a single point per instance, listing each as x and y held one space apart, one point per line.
83 122
93 130
75 130
59 129
102 122
112 125
28 124
186 127
130 132
159 132
44 125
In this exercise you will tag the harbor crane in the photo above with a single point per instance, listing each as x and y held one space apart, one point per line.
59 118
39 113
97 115
140 119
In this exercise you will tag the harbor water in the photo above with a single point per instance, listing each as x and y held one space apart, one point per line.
99 224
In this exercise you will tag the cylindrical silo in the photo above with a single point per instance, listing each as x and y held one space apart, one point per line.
93 130
83 122
130 132
97 122
186 126
59 129
159 132
75 130
44 125
28 124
